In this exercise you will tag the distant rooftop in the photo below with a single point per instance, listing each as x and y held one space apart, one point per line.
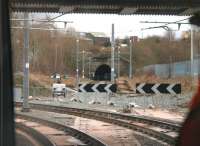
98 34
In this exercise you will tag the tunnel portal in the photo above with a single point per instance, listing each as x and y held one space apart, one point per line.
103 73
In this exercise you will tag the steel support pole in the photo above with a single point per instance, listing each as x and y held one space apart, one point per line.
83 64
77 63
192 51
118 62
89 74
130 59
26 107
113 54
55 63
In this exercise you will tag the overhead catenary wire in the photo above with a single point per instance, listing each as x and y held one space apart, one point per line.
54 18
41 20
165 24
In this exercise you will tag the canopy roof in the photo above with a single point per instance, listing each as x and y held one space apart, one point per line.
121 7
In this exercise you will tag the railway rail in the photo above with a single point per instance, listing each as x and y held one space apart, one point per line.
43 139
163 131
30 136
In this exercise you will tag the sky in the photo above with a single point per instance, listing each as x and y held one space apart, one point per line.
124 25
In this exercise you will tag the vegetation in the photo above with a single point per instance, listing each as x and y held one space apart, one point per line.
160 50
55 51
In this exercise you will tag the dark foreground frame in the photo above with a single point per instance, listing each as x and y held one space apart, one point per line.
6 95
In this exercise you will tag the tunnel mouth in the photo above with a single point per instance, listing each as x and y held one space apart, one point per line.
103 73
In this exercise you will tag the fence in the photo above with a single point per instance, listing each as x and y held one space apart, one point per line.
37 91
119 101
182 68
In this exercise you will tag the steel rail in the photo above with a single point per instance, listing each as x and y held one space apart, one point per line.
41 139
85 138
127 121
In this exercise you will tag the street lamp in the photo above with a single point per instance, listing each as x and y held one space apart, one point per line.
77 63
112 54
130 59
25 106
118 67
83 64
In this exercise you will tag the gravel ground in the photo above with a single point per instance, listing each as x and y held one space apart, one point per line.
167 114
111 134
22 141
147 142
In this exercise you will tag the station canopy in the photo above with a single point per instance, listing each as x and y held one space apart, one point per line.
121 7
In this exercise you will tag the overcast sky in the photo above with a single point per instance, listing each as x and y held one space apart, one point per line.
124 25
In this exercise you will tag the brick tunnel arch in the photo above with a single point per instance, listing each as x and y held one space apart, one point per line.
103 73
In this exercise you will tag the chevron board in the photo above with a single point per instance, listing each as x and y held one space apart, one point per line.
147 88
98 88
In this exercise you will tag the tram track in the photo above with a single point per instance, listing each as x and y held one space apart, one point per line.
163 131
63 130
29 136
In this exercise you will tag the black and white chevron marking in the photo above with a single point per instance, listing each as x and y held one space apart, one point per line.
99 88
146 88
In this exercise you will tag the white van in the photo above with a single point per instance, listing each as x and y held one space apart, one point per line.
58 89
